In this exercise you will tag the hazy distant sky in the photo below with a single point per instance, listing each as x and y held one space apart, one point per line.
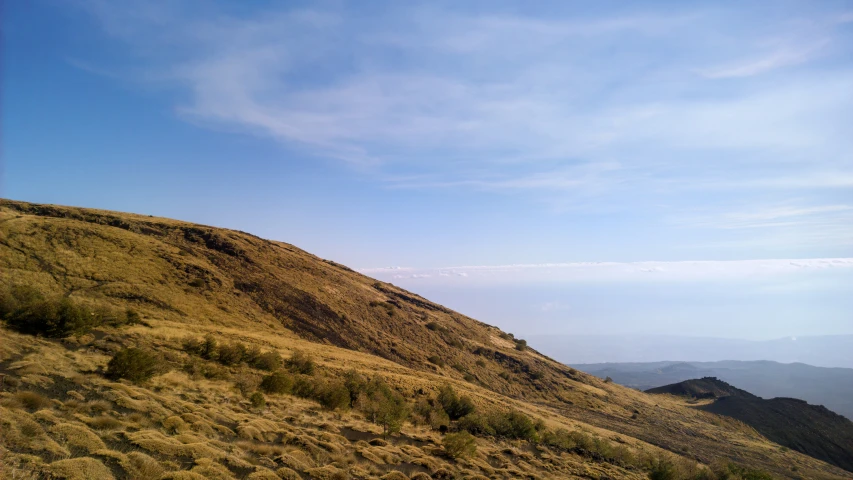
434 135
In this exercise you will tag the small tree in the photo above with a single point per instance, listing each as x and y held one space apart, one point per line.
277 382
459 445
209 347
333 395
301 362
133 364
662 468
266 361
455 406
383 406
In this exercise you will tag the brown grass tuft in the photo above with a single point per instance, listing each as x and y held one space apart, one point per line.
31 401
83 468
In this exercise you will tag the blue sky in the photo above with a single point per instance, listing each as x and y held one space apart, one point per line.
443 134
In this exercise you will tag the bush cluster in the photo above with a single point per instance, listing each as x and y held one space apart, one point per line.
510 424
236 353
372 397
455 406
459 445
27 310
134 364
301 362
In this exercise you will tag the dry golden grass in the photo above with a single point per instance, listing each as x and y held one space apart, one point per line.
259 293
84 468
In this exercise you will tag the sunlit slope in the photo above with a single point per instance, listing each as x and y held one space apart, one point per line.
191 279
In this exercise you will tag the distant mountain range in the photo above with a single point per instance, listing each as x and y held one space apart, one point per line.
831 387
822 351
793 423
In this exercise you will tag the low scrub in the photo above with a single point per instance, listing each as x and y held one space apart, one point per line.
454 405
27 310
134 364
511 424
232 354
459 445
279 382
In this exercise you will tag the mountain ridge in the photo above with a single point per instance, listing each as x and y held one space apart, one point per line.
811 429
187 279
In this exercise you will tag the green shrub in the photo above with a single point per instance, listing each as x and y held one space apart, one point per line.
383 406
430 413
134 364
521 345
436 360
26 310
333 395
303 386
208 348
458 367
662 468
455 406
459 445
513 424
301 362
476 424
278 382
232 354
258 400
132 317
435 327
481 362
266 361
355 383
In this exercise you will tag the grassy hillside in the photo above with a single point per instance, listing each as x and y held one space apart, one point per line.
62 413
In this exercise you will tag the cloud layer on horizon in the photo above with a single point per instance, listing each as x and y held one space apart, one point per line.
591 272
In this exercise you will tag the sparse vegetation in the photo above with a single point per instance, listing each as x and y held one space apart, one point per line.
27 310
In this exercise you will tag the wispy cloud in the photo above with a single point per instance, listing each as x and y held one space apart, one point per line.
557 108
778 216
780 58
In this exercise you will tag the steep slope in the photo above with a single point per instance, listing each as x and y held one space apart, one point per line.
810 429
186 279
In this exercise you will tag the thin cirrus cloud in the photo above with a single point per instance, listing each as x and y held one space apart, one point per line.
476 87
628 108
